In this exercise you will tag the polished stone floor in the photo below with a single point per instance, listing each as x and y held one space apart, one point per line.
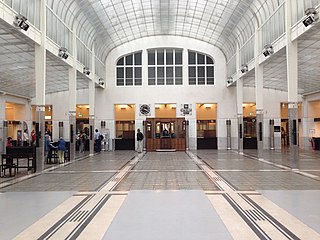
207 194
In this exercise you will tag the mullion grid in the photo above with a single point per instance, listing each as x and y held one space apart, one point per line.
165 67
197 65
125 79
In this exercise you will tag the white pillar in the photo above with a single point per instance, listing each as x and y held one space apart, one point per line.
259 93
292 81
40 77
240 114
3 123
92 92
73 94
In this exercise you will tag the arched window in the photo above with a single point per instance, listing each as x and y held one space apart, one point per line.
165 66
201 69
129 70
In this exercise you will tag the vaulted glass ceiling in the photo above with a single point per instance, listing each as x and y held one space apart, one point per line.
110 23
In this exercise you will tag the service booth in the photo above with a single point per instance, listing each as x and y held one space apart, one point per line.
165 132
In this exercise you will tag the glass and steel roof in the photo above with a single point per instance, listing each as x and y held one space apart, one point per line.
110 23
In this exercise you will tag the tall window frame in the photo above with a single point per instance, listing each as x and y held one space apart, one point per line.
165 66
200 68
129 70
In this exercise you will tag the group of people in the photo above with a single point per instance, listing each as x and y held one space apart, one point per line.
60 147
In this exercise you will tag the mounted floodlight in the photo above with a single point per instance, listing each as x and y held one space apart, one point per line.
229 80
268 50
244 68
86 71
63 53
20 21
312 16
101 82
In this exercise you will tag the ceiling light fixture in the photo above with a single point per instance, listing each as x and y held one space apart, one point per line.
20 21
312 16
244 68
86 71
63 53
268 50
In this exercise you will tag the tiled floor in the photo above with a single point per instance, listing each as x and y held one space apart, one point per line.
205 194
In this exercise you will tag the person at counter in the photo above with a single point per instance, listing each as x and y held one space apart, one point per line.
165 133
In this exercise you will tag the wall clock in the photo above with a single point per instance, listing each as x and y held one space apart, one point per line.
144 109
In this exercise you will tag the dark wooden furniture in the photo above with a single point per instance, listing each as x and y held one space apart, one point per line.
18 157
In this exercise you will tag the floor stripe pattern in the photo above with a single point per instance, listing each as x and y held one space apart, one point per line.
258 218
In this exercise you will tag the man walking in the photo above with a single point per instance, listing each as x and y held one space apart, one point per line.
139 139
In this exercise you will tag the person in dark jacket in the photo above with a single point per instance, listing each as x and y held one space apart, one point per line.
139 139
61 149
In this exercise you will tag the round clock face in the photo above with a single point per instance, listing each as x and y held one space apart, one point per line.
144 109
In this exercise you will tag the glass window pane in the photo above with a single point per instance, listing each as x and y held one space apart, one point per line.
160 72
137 72
192 57
178 57
129 81
178 81
169 57
160 76
209 60
137 58
120 72
151 72
169 75
151 76
192 81
192 72
120 81
120 61
178 72
129 72
160 57
201 81
129 60
201 71
200 58
210 81
151 57
210 71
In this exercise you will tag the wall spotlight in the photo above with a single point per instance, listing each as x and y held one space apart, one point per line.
312 16
244 68
268 50
86 71
20 21
101 82
229 80
63 53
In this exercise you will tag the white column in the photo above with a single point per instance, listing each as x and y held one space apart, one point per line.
73 95
40 77
292 80
3 123
239 104
259 93
240 114
92 91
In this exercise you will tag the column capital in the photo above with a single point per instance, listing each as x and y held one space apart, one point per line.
72 113
259 111
292 105
40 108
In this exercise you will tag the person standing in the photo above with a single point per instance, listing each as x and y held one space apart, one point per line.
61 149
139 139
26 138
97 140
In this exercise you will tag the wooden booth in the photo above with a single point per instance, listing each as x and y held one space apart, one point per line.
165 134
